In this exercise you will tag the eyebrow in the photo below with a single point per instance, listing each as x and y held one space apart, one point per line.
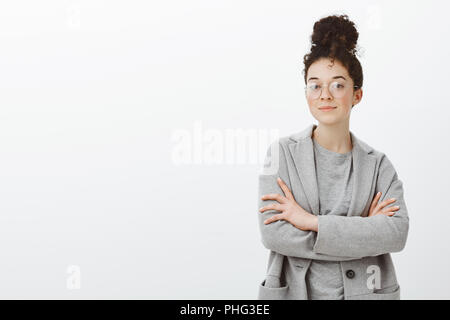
335 77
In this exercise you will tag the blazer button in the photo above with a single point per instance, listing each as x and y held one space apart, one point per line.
350 274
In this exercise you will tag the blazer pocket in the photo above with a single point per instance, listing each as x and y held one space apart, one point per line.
388 293
272 293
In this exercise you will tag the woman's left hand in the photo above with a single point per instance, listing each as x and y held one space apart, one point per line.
291 211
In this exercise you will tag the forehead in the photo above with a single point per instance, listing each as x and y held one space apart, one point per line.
323 69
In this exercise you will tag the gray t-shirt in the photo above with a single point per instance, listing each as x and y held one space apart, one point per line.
334 172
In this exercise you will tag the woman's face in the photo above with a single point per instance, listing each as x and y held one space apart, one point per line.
320 74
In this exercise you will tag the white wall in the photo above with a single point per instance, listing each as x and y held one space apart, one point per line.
93 94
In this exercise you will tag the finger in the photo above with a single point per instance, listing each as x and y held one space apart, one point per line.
391 209
375 201
374 204
274 218
285 189
274 196
273 206
385 203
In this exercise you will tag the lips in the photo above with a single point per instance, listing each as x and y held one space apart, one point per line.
327 108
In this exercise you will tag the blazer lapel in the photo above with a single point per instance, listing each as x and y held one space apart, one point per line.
303 156
363 171
364 164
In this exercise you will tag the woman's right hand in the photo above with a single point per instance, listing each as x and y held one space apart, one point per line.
380 208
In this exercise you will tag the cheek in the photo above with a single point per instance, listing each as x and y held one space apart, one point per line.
345 102
311 103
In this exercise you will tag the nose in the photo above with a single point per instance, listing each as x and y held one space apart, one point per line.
325 94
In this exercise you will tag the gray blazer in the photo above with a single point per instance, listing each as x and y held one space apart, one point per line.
362 244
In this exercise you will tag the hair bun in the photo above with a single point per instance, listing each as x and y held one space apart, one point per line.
334 33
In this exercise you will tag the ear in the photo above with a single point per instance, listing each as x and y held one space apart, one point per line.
357 96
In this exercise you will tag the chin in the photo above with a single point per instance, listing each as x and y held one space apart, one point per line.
327 120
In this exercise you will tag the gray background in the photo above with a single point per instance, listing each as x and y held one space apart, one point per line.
93 92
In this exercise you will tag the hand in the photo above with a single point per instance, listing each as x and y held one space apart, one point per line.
290 210
378 209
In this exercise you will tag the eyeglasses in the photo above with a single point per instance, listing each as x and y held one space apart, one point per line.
338 89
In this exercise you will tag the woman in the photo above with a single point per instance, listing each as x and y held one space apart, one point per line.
326 196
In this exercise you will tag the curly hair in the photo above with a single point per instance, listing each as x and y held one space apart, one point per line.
335 37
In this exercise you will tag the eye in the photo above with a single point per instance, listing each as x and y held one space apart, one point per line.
338 85
313 86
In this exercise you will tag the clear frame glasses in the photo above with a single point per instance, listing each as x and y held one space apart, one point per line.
337 89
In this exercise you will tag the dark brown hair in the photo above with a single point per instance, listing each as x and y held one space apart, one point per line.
335 37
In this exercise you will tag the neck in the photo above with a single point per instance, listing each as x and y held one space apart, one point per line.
335 137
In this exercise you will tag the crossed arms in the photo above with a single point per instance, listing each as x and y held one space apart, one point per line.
339 238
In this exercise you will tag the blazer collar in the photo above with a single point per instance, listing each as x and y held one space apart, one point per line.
364 163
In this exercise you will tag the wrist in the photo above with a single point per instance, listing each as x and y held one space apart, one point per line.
314 223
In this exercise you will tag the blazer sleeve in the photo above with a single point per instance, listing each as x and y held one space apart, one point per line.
358 236
281 236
